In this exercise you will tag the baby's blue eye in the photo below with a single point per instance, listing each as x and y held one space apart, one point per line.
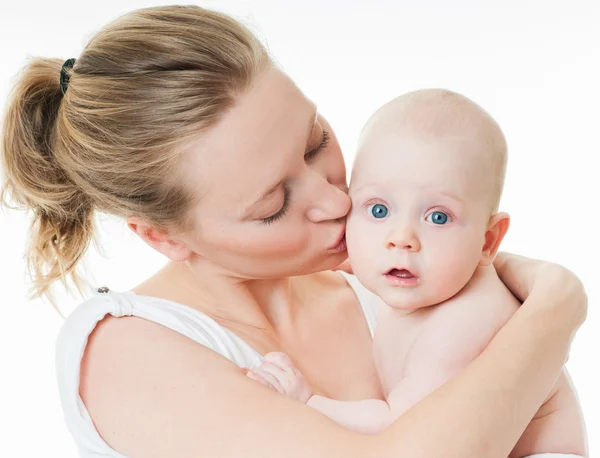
438 218
378 211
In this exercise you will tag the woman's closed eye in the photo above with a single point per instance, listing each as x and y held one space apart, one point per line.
286 193
281 212
315 152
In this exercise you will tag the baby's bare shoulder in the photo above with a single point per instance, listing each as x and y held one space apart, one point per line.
458 330
484 299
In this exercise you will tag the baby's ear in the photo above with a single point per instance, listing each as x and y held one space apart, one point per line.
496 230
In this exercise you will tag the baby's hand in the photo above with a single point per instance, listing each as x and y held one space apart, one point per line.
278 373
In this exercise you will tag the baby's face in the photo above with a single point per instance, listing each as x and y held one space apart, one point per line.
420 209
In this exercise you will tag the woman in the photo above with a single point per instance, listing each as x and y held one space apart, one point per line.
176 119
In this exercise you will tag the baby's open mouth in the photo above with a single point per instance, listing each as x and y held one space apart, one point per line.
401 273
401 277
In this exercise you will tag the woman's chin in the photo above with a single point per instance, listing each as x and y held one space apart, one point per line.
332 262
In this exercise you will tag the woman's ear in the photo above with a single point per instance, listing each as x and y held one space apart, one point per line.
173 249
496 230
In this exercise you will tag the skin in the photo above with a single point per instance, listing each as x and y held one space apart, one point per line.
152 392
415 177
434 324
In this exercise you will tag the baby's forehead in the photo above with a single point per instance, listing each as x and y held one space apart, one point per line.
431 135
430 114
434 117
390 150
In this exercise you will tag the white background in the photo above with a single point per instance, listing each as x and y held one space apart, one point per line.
532 64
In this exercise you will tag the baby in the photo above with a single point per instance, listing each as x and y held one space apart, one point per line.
424 225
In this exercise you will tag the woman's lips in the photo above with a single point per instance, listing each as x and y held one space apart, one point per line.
340 241
341 246
401 277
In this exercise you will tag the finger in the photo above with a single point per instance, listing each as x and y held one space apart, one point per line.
517 273
275 370
257 378
290 378
280 359
270 378
284 362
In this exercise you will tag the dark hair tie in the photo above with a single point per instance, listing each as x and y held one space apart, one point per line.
64 76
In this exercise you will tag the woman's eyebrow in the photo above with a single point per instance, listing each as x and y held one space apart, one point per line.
271 189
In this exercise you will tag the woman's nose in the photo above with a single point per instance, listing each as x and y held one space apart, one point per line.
330 203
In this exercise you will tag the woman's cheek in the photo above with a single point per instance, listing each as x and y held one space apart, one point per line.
279 240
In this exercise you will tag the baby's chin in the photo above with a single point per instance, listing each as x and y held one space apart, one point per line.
405 299
405 305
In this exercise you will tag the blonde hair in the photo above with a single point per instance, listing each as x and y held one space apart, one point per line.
142 88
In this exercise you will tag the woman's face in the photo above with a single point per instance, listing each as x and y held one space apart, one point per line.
271 186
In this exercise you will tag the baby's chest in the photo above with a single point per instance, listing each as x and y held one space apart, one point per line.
395 337
392 342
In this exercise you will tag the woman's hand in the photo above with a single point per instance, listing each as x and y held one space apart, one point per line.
526 277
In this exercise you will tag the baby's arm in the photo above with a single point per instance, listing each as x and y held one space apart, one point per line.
371 416
366 416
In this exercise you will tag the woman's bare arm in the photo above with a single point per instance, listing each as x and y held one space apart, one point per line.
163 395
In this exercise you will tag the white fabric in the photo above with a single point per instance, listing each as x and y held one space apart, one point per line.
369 302
81 322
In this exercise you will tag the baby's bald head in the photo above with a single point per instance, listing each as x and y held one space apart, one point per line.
439 114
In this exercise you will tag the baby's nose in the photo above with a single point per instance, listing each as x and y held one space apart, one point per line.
404 239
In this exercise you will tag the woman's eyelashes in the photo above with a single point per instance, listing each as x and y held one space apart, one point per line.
286 193
281 212
314 152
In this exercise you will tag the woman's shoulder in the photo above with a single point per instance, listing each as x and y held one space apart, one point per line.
112 341
132 368
127 315
83 319
105 306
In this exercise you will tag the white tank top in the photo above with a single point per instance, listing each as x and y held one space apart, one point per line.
76 329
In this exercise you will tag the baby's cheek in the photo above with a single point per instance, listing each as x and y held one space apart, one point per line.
354 241
359 251
452 268
361 239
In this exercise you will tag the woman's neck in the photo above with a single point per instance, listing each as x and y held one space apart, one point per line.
269 305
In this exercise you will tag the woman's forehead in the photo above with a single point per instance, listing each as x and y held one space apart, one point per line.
251 146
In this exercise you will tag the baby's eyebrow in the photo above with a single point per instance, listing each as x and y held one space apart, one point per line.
360 188
451 196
